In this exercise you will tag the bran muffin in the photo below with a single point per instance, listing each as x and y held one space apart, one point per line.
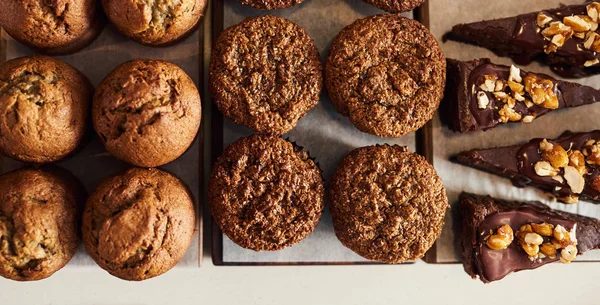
271 4
39 212
147 112
265 74
265 193
388 204
387 74
44 104
138 224
157 23
52 26
396 6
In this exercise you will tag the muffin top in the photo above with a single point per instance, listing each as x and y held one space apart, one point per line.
387 204
157 22
138 224
147 112
387 74
38 222
265 74
49 25
265 193
395 6
271 4
44 105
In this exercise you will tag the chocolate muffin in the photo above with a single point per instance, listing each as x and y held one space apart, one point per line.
44 107
155 23
38 222
387 74
396 6
52 27
271 4
265 74
147 112
138 224
265 193
387 203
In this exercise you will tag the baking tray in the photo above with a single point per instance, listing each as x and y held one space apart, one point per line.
325 134
444 14
92 163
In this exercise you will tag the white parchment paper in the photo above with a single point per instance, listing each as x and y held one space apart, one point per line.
93 163
323 132
443 15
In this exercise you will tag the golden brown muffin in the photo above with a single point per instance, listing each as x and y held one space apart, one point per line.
138 224
38 222
156 22
44 107
147 112
52 26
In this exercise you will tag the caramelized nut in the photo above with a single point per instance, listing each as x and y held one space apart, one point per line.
574 179
502 239
571 199
558 28
568 254
533 239
489 83
528 119
514 74
577 160
592 10
507 113
546 146
544 229
578 23
543 19
531 250
544 169
516 87
549 250
560 233
592 62
482 100
557 156
526 228
500 85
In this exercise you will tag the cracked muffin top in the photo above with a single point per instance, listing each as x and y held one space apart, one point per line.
44 104
52 26
155 22
387 74
271 4
265 193
38 222
265 74
396 6
147 112
138 224
388 204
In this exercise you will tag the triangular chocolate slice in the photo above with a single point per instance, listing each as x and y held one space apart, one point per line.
567 167
497 237
565 38
481 95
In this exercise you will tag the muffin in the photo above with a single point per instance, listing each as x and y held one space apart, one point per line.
396 6
265 74
38 222
387 74
265 193
44 106
138 224
155 23
147 112
52 27
387 204
271 4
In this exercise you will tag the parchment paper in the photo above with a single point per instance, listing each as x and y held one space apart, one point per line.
443 15
93 163
323 132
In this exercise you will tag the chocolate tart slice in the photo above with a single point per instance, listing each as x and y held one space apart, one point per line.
481 95
564 38
497 237
567 167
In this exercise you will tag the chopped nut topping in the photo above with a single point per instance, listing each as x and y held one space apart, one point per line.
514 74
571 199
516 87
559 179
574 179
482 100
528 119
489 83
500 85
507 113
577 160
543 19
543 229
578 23
592 10
549 250
544 240
557 156
502 239
541 91
546 146
544 169
592 62
568 254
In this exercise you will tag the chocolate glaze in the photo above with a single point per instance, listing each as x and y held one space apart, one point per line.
459 109
520 38
517 163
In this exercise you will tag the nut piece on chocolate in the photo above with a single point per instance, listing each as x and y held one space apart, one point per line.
52 27
44 104
39 215
147 112
568 167
265 193
541 236
388 204
155 23
265 74
139 224
481 95
271 4
564 38
387 74
396 6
